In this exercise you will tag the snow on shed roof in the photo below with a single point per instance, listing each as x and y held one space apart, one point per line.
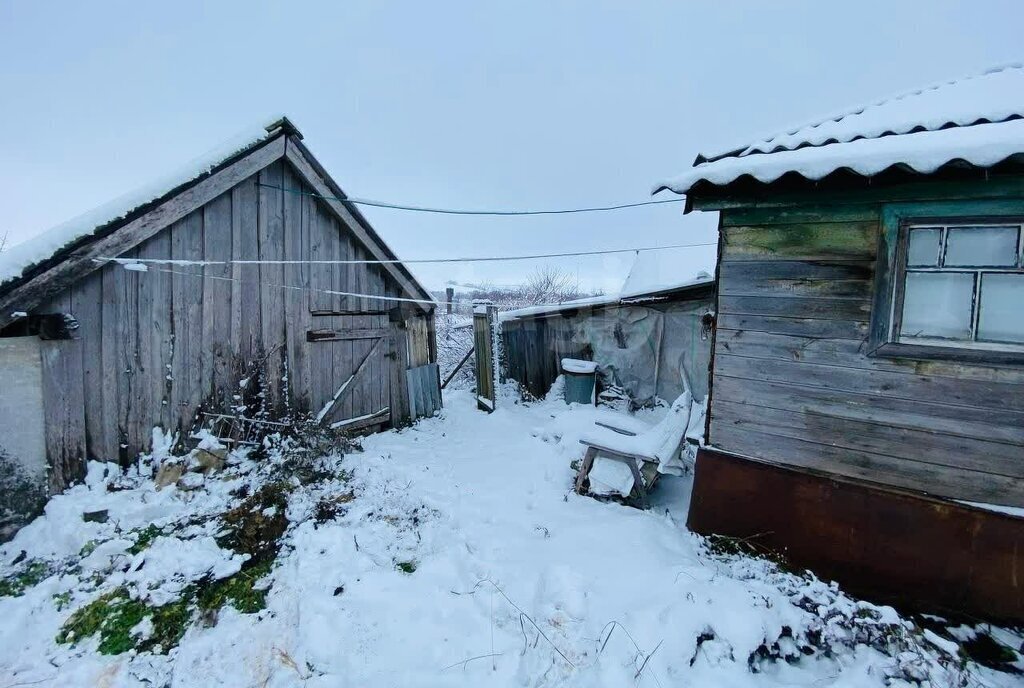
543 309
20 257
653 273
976 119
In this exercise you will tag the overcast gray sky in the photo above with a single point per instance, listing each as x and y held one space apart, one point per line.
467 104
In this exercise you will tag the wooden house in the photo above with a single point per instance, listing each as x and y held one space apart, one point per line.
218 295
867 397
647 338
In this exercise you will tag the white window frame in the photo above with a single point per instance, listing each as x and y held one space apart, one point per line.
903 269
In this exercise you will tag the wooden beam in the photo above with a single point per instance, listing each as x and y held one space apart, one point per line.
306 169
363 421
458 367
77 265
326 313
328 335
1003 187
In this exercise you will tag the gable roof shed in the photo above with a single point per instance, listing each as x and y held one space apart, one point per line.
37 269
256 293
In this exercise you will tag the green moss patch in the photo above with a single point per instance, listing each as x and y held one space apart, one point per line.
114 615
803 241
31 572
62 599
238 590
88 548
406 566
145 538
256 525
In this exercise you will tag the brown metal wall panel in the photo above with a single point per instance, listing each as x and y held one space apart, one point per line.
905 549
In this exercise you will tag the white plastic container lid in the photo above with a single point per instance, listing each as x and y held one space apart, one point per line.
575 365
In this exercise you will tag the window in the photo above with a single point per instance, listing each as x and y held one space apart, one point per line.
960 284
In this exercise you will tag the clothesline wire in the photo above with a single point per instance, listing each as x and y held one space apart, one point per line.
452 211
465 259
329 292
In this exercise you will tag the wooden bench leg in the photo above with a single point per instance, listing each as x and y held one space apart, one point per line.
638 483
588 463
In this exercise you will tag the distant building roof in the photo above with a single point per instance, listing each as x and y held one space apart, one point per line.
654 274
978 120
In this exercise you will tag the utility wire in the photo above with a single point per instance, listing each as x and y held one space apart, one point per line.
450 211
329 292
466 259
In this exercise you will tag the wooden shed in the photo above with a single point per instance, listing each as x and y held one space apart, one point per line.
228 298
867 398
649 339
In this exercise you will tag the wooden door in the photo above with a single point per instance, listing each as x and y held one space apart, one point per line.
358 362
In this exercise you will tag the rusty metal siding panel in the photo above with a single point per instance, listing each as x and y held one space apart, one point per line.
870 538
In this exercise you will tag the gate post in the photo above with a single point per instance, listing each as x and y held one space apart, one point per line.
485 317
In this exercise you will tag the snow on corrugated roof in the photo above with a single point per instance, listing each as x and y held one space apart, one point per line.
20 257
982 145
976 119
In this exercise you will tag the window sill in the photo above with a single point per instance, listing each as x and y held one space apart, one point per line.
927 352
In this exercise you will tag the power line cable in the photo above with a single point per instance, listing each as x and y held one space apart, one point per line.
451 211
465 259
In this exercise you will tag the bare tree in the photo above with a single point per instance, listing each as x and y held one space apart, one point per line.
545 285
3 242
550 284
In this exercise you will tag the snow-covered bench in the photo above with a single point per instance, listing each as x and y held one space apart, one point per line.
640 456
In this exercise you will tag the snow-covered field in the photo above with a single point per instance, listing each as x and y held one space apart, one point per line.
452 553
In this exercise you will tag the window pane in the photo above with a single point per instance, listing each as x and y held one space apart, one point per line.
938 304
923 249
981 246
1002 308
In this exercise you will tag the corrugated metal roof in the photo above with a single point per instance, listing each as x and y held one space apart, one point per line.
975 119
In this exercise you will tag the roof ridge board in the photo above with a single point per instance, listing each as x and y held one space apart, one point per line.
839 115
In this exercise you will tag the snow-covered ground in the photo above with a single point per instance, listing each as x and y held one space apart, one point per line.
451 553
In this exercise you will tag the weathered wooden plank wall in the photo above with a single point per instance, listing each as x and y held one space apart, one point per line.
64 404
158 346
419 341
535 346
792 382
483 348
